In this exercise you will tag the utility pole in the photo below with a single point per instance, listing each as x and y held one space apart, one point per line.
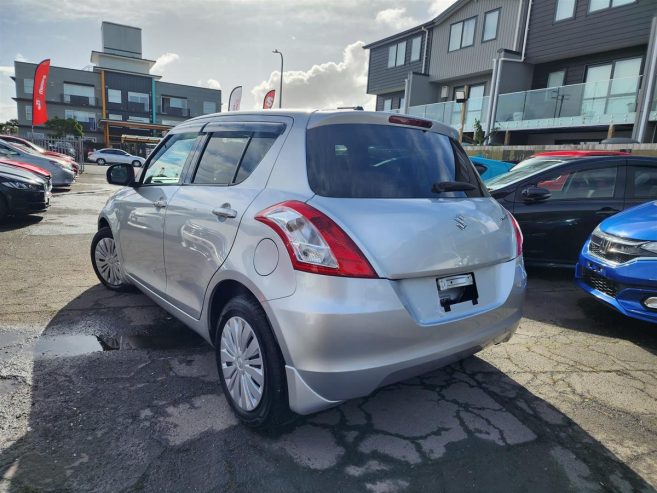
280 87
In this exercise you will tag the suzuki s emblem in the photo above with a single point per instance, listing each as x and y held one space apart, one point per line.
460 222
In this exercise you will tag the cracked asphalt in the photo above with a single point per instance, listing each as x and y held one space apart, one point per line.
102 391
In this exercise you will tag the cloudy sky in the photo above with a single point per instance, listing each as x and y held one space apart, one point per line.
219 43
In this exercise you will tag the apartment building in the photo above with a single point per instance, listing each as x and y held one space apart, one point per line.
117 99
537 72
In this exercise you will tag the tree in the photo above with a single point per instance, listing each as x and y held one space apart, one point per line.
479 134
9 127
62 127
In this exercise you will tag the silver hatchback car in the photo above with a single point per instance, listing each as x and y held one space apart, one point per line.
324 254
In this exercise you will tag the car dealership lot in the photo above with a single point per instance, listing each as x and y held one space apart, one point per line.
104 391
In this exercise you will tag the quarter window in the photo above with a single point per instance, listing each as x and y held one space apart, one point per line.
461 34
595 5
565 10
491 20
166 167
645 183
416 45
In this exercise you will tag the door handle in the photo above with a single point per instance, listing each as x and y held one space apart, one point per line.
159 204
606 211
224 211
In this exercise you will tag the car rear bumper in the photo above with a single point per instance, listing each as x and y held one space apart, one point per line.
62 178
343 338
624 287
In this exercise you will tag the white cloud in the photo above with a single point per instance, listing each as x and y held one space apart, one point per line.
162 61
327 85
213 84
396 18
438 6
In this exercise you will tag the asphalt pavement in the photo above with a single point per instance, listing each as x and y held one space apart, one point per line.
102 391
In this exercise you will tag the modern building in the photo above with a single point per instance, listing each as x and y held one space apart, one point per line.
117 100
536 72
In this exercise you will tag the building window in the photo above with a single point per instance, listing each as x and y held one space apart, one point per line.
28 112
491 20
387 104
612 88
565 10
416 44
209 107
114 116
80 116
402 101
114 96
595 5
461 34
556 79
28 86
173 123
78 94
397 54
139 98
139 119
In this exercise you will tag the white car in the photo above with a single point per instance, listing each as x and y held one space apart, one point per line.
115 156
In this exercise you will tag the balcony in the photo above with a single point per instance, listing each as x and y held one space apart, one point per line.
449 113
75 100
174 111
599 103
653 108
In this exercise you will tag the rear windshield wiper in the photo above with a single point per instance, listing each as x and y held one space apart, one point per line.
452 186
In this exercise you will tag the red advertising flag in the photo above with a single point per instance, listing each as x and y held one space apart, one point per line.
39 111
268 102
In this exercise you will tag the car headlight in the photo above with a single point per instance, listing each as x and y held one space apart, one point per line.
650 246
21 185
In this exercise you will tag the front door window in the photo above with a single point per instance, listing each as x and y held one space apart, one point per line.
166 167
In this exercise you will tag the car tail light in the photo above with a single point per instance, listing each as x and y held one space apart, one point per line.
518 233
315 243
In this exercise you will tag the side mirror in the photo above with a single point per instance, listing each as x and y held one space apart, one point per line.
121 174
535 194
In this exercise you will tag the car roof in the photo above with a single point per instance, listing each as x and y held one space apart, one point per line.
579 153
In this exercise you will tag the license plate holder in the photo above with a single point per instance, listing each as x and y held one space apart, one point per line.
457 289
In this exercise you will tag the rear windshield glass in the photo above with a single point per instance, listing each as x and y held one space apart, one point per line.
383 161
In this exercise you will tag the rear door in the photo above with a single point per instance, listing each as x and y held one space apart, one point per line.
641 182
582 195
203 217
142 211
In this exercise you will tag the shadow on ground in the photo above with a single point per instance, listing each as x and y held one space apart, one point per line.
12 223
152 418
580 311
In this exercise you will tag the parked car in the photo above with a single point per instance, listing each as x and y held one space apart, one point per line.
558 207
63 147
618 263
62 174
13 139
490 168
40 172
311 250
21 192
549 158
115 156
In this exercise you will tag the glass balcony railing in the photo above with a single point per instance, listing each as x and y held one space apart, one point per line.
449 113
653 108
592 103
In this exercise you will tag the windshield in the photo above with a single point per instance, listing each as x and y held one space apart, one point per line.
518 173
545 161
385 161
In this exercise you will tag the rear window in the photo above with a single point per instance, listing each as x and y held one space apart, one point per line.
382 161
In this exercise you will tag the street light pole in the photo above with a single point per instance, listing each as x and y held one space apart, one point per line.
280 88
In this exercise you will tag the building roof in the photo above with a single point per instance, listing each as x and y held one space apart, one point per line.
439 19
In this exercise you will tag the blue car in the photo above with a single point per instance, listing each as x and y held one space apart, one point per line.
618 263
490 168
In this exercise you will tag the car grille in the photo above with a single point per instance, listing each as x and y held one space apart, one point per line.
613 249
602 284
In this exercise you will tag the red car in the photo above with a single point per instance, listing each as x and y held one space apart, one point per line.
40 150
40 172
556 157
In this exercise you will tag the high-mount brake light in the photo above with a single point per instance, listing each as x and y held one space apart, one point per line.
414 122
315 242
518 233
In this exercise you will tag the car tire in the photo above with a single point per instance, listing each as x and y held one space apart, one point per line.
244 316
136 163
105 261
100 162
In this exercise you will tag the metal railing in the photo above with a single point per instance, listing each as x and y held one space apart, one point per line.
80 100
70 146
592 103
449 112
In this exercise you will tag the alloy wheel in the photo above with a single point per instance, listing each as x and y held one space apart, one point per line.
107 261
241 363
